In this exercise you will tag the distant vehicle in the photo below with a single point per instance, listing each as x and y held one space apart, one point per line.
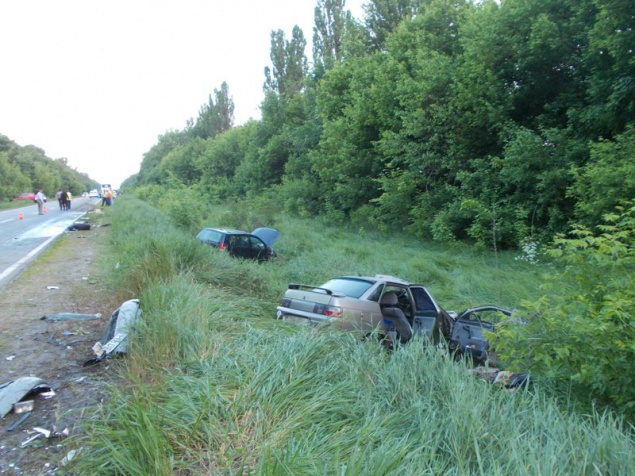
25 196
93 193
104 188
240 244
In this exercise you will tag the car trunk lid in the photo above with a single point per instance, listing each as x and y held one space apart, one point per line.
268 235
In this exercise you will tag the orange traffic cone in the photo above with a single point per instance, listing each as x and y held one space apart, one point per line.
43 208
20 216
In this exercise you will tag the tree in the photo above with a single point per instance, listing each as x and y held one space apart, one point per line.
149 172
609 63
382 17
289 64
216 116
328 34
607 179
12 180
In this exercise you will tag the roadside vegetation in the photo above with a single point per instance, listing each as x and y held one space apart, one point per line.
27 169
215 385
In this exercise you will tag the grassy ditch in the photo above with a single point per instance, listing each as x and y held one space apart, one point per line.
215 385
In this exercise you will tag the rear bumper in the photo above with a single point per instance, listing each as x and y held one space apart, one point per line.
310 317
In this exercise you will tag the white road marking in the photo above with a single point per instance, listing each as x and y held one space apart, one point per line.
26 258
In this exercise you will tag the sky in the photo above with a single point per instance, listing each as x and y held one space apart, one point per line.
97 81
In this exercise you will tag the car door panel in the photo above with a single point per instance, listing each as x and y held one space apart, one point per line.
425 311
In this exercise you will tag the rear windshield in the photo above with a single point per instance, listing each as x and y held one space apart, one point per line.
210 236
350 287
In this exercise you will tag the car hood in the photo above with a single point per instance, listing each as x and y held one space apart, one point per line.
268 235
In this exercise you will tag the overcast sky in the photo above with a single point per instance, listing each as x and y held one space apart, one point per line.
97 81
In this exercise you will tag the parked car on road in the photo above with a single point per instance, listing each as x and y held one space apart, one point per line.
255 245
367 304
25 196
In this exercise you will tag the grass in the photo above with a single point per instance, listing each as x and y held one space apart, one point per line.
215 385
10 205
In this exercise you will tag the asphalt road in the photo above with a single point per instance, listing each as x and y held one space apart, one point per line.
24 234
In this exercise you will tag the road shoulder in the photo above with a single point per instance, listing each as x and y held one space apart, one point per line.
65 279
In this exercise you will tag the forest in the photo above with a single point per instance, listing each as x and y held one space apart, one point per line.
451 120
27 168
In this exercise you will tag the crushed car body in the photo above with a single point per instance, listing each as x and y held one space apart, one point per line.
356 304
390 307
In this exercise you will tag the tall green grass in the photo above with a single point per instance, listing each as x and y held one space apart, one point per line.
214 385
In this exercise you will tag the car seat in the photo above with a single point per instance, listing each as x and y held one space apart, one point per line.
394 317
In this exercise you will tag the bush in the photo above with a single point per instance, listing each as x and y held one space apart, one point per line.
583 334
184 207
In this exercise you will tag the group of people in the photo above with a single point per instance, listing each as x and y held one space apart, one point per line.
106 199
64 198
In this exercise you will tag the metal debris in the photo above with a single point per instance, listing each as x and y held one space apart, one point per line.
15 390
69 316
19 421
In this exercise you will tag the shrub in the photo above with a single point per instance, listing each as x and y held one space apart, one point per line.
583 334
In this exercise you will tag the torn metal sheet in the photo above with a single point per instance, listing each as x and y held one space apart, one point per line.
70 316
115 339
14 391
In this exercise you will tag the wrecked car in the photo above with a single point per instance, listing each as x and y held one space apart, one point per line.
391 307
240 244
469 332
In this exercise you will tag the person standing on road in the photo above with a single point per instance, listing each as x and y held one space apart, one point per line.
40 199
69 199
58 195
107 198
64 198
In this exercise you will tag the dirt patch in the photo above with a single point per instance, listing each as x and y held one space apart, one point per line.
66 279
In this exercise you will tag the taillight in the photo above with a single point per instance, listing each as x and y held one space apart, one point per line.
330 311
221 246
285 302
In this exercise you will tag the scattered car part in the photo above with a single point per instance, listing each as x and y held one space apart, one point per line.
70 316
19 421
79 226
23 406
15 390
115 339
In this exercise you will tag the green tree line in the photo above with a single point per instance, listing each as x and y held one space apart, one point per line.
450 119
27 168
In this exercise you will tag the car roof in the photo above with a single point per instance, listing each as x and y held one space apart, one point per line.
228 231
378 277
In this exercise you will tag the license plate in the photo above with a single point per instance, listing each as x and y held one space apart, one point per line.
297 320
